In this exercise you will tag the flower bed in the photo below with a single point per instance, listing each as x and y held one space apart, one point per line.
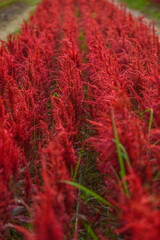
79 90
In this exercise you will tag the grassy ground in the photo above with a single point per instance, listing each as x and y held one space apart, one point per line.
5 3
150 9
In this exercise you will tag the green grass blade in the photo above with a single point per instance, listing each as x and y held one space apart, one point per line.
56 94
116 174
71 171
93 194
120 154
151 117
90 232
77 167
157 176
156 142
125 154
120 157
151 120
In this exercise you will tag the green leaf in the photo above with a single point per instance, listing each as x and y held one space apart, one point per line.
151 117
93 194
125 155
151 120
120 154
90 232
76 170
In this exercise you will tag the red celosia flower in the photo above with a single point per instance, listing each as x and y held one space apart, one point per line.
140 216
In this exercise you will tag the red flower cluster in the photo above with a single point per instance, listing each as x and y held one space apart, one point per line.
123 84
66 78
32 138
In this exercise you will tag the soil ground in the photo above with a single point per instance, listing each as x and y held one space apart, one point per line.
9 13
12 16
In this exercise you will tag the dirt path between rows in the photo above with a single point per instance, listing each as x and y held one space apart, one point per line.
12 17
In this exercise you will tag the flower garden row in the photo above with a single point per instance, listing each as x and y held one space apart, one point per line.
82 80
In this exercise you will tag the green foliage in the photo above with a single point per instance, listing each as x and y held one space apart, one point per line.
6 3
32 2
77 167
122 154
144 6
141 5
90 232
151 117
90 192
77 12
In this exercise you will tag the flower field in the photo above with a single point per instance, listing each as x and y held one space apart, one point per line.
79 125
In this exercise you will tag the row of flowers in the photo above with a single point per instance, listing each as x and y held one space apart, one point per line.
67 82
